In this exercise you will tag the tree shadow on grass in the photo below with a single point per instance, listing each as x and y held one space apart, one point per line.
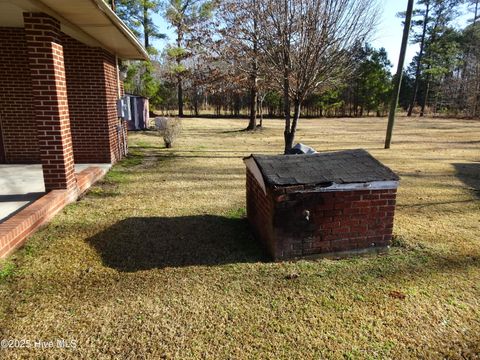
469 173
143 243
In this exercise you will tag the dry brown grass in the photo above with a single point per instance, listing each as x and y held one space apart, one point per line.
157 261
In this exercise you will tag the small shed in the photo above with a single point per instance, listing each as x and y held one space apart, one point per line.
139 112
325 203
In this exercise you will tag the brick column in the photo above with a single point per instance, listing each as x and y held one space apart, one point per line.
45 55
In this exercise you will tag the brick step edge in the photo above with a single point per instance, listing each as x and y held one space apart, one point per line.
15 230
88 177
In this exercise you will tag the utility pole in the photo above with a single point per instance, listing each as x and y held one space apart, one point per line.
398 75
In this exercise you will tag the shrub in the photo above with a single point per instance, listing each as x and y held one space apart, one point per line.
171 131
161 123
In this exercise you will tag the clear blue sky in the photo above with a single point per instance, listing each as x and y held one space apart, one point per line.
388 34
390 30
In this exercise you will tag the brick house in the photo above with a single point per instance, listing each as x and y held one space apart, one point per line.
58 105
60 83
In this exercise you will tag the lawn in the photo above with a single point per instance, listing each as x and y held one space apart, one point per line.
157 260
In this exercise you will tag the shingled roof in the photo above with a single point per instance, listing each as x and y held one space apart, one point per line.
342 167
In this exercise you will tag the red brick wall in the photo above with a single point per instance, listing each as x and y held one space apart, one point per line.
92 90
260 213
17 118
337 222
50 100
111 92
92 94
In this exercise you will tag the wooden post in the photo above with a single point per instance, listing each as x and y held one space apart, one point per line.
398 75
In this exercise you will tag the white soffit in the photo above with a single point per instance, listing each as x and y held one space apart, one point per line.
89 21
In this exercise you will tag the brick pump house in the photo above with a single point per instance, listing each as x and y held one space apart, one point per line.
60 85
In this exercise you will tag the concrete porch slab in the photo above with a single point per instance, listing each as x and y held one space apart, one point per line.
20 185
16 227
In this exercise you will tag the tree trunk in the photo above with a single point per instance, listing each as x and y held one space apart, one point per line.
293 129
180 95
260 109
179 75
237 105
286 111
424 103
476 12
419 60
195 104
252 124
146 27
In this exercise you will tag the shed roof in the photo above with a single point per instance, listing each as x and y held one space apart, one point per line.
342 167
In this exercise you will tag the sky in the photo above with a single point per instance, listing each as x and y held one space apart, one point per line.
388 34
390 30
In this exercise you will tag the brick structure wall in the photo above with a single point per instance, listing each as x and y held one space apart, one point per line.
86 103
45 55
260 210
2 150
340 221
17 119
117 129
93 92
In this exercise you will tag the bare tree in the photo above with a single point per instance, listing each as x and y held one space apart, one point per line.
308 44
238 45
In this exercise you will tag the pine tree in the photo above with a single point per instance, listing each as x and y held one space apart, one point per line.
419 38
189 19
137 14
436 48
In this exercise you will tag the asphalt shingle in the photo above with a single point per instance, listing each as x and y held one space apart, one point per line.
342 167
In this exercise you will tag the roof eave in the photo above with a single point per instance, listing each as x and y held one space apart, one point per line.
122 27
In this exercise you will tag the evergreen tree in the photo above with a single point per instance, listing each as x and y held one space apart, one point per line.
419 37
439 48
373 81
137 14
435 18
189 20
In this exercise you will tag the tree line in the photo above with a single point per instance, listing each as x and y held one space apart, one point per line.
444 76
295 58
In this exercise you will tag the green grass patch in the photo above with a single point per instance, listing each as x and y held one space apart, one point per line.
102 192
239 213
115 176
134 158
144 144
7 269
